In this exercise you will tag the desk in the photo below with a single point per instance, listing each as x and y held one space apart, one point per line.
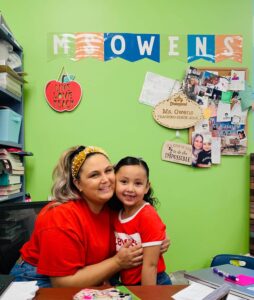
158 292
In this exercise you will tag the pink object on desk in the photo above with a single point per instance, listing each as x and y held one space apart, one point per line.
242 279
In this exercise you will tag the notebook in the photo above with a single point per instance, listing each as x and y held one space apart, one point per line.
209 278
5 281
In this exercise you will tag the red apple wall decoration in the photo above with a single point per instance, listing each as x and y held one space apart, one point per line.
63 96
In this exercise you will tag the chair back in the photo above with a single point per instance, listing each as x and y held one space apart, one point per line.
16 226
233 259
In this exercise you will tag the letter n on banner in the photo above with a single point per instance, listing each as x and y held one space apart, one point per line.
201 46
229 47
131 47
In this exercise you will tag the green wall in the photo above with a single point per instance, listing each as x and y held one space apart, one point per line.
206 211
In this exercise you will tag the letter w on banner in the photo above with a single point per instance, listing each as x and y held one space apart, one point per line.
131 47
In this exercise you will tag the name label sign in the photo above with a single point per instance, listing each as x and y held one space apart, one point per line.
177 112
177 153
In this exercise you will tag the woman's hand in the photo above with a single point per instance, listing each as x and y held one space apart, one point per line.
129 256
165 245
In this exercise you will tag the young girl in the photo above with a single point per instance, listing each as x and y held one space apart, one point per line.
138 221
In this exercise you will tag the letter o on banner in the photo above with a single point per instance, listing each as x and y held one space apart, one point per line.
113 44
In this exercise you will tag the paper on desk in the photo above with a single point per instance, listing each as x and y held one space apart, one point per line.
20 291
197 291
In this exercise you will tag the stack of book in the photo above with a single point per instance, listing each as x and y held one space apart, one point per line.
10 80
10 189
11 170
10 84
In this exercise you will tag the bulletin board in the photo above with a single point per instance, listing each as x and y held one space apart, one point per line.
233 133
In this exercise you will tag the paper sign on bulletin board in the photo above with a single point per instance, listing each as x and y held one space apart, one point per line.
221 108
177 112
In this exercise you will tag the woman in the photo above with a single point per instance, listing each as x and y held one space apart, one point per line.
72 239
197 147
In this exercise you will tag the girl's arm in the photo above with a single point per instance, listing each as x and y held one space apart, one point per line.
127 257
150 261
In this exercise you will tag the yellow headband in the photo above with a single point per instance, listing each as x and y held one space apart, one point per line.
79 159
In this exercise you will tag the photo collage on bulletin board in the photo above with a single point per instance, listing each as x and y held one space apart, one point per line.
223 131
224 98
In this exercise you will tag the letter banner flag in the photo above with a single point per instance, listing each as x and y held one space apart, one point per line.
135 46
201 46
176 47
63 45
131 47
89 45
229 47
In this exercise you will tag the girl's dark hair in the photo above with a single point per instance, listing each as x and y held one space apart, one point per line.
114 203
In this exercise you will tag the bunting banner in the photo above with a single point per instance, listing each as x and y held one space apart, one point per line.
229 47
133 47
201 46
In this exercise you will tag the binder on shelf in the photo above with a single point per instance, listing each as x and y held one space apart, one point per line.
7 179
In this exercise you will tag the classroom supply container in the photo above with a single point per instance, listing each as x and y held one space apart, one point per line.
10 124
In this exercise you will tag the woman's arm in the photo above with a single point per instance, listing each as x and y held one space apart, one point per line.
127 257
150 262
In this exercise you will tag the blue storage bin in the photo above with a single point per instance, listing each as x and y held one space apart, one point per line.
10 123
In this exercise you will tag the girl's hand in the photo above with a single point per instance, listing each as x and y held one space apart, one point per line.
129 256
165 245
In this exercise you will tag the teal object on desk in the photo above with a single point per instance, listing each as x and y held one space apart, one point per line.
210 278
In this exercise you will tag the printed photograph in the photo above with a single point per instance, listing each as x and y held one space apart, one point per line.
233 137
191 83
201 150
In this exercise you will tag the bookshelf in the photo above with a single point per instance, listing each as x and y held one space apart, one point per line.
12 101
